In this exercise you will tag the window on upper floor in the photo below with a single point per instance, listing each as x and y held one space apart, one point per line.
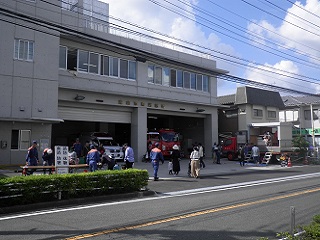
168 77
179 78
20 139
114 67
199 82
127 69
205 83
150 73
173 78
272 114
257 113
165 76
307 114
63 57
88 62
186 80
23 50
193 81
158 75
104 69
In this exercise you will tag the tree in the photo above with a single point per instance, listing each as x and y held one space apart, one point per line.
302 145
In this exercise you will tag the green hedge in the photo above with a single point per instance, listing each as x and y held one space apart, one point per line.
39 188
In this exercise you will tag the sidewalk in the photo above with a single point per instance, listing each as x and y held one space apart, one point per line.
226 166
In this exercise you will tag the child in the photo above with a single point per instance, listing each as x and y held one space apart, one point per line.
116 166
170 166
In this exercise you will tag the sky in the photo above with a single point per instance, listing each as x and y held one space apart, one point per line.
275 42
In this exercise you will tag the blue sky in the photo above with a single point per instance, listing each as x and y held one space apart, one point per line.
278 39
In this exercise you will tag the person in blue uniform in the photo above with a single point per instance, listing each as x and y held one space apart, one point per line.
32 156
93 157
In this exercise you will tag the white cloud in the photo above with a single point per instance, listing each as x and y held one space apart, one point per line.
281 74
151 16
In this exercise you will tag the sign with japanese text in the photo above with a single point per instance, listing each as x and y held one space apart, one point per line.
61 159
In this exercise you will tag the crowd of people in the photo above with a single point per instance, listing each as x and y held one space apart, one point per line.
95 159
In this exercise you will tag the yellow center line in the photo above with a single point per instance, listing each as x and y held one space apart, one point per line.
195 214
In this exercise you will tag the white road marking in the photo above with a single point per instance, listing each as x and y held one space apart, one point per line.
169 195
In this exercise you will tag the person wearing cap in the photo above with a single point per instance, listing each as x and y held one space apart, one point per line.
128 155
156 156
32 156
48 159
195 162
93 157
175 156
78 148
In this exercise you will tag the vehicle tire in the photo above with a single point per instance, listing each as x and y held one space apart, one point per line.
230 156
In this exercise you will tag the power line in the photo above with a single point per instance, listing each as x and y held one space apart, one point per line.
68 30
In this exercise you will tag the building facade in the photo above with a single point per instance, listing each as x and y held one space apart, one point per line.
251 112
63 73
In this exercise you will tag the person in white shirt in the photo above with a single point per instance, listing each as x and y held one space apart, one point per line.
255 152
195 162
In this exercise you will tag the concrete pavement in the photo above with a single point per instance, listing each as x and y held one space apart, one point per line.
213 174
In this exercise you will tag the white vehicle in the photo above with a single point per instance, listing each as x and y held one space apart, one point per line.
111 147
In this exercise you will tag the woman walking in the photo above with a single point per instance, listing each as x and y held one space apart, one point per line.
175 156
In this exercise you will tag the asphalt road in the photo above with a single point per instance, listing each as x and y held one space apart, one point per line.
228 202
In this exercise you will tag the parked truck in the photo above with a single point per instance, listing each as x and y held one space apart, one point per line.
166 138
273 138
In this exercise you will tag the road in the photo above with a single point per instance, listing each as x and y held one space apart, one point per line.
234 206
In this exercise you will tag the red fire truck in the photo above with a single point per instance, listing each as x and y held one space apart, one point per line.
166 139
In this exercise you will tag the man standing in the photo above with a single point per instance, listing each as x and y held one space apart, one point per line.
32 156
128 155
255 153
78 148
156 156
93 157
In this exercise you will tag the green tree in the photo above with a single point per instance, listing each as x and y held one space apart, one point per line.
301 143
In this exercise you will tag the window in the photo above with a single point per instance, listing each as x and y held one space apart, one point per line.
205 83
173 78
272 114
63 57
199 82
124 68
20 139
88 62
23 50
72 59
158 75
179 78
166 76
150 74
132 70
186 80
104 65
127 69
257 113
193 81
114 66
83 61
307 114
94 63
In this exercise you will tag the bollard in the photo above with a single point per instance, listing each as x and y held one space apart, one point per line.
293 219
59 195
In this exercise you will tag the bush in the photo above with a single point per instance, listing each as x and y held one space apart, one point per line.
38 188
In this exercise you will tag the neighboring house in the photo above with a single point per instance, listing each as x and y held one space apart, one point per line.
298 111
248 107
64 72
